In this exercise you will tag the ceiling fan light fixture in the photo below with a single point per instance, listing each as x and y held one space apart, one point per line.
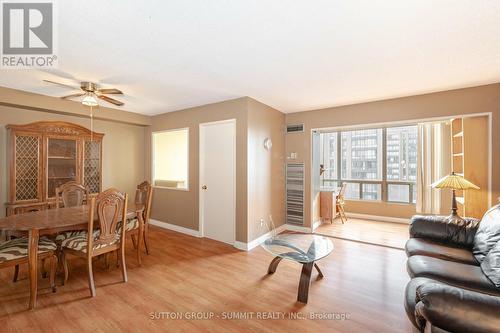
89 100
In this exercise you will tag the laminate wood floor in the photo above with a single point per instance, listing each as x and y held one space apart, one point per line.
362 291
367 231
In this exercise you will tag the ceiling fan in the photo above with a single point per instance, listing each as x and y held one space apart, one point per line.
91 90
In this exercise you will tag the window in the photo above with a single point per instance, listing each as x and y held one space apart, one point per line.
357 158
170 158
401 160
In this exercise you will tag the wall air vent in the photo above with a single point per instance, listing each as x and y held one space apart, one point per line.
296 128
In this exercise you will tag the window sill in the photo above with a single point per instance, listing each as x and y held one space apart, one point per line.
171 188
380 201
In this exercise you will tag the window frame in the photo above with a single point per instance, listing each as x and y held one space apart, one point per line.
153 159
384 183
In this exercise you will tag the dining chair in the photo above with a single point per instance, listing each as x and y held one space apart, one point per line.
110 207
23 209
143 196
339 203
15 252
71 194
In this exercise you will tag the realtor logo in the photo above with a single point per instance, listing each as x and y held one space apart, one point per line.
28 35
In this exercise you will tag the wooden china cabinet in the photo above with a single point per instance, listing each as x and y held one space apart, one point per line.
46 154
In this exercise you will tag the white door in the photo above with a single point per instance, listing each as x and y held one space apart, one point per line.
218 180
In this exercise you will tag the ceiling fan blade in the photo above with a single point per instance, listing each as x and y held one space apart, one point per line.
110 91
110 100
73 95
62 84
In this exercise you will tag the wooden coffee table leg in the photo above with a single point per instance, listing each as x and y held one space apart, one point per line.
320 273
305 281
32 262
273 265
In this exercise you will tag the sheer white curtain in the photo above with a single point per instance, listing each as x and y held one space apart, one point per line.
434 162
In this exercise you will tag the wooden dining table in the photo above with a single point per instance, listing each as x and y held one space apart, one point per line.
53 221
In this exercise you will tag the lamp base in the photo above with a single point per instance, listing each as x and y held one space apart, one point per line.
454 218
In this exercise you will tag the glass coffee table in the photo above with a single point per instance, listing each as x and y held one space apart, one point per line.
304 249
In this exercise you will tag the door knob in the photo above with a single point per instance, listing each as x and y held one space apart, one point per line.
204 187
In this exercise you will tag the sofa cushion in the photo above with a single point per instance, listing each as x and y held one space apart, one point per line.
488 233
420 246
491 265
411 298
454 273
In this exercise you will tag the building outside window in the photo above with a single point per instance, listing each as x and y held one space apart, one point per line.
356 158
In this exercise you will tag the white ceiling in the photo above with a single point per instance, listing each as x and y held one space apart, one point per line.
291 55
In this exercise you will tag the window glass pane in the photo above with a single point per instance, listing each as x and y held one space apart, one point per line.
372 192
414 187
352 191
398 192
402 153
362 154
330 184
328 151
170 159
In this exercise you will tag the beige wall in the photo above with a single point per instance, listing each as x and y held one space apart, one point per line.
123 148
182 207
35 102
266 181
443 104
259 173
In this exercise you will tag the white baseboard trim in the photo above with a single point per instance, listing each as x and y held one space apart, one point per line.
175 227
256 242
292 227
237 244
378 218
316 224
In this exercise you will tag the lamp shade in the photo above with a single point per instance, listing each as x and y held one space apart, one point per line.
89 100
455 182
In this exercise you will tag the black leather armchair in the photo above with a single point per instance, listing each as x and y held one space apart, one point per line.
448 291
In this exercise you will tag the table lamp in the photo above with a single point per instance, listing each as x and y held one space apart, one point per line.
455 182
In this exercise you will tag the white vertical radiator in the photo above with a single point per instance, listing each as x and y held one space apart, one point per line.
295 193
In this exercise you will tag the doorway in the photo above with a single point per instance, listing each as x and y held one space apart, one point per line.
218 180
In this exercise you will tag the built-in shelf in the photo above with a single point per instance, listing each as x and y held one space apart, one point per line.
459 134
458 154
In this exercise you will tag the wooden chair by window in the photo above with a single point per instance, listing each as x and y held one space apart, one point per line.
340 203
143 196
111 208
15 252
71 194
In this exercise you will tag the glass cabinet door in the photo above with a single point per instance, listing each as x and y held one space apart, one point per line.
27 170
61 163
92 166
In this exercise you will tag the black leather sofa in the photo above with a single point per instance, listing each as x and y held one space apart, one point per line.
448 290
